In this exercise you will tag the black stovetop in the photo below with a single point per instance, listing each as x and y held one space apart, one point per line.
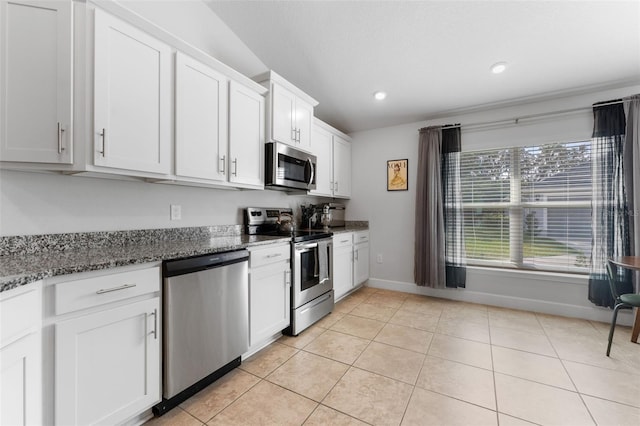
296 236
265 221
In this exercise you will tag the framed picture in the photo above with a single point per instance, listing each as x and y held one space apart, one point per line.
397 175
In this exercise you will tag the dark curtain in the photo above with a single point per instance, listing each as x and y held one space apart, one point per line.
429 262
455 269
632 173
610 215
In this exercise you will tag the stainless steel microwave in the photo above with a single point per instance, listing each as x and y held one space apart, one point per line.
288 168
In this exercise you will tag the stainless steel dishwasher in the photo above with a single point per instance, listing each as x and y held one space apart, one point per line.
205 322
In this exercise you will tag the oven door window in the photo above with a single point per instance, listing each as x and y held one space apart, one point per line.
309 268
293 169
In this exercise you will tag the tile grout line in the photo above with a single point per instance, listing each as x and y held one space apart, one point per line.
584 404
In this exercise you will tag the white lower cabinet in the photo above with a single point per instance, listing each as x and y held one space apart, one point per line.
107 364
269 293
106 346
360 257
21 356
342 264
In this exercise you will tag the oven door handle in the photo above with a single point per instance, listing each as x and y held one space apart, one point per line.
306 247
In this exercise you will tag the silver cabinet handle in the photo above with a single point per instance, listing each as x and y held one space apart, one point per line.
270 256
235 167
293 135
287 278
335 188
298 137
155 324
357 255
104 141
223 160
109 290
344 241
60 147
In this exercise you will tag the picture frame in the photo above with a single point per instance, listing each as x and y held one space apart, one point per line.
398 175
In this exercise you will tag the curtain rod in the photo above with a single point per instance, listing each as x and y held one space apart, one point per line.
516 120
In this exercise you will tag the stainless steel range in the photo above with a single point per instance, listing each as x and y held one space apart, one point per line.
311 265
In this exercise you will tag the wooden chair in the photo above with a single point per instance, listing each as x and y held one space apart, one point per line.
623 301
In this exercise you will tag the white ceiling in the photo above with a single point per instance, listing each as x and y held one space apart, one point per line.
433 57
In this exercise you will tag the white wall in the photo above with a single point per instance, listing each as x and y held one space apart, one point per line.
391 214
194 22
38 203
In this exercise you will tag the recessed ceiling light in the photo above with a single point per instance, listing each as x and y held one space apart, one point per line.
380 95
498 67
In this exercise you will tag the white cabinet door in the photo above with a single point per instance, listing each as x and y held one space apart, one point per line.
269 300
21 382
303 124
132 95
321 147
201 120
360 263
246 136
342 267
283 122
36 81
107 364
341 167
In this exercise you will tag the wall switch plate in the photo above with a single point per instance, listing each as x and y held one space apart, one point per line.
379 258
176 212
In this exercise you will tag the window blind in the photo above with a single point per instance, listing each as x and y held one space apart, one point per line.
528 207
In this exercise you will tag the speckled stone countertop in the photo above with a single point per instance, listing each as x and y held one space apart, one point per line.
351 226
25 259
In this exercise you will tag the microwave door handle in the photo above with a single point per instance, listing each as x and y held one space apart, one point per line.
313 172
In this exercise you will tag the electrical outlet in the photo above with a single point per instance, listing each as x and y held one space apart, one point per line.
176 212
379 258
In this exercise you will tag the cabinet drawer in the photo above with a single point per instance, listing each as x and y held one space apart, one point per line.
361 237
268 255
85 293
343 239
19 312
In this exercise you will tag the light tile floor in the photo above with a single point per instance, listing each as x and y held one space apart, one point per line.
391 358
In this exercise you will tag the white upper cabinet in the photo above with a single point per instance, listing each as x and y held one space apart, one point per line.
246 136
201 121
36 81
322 147
132 98
333 170
289 112
341 167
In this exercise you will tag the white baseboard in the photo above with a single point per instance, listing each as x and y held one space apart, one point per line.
625 317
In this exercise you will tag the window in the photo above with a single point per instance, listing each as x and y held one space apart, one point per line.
528 207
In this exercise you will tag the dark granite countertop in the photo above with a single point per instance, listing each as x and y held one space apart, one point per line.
20 268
